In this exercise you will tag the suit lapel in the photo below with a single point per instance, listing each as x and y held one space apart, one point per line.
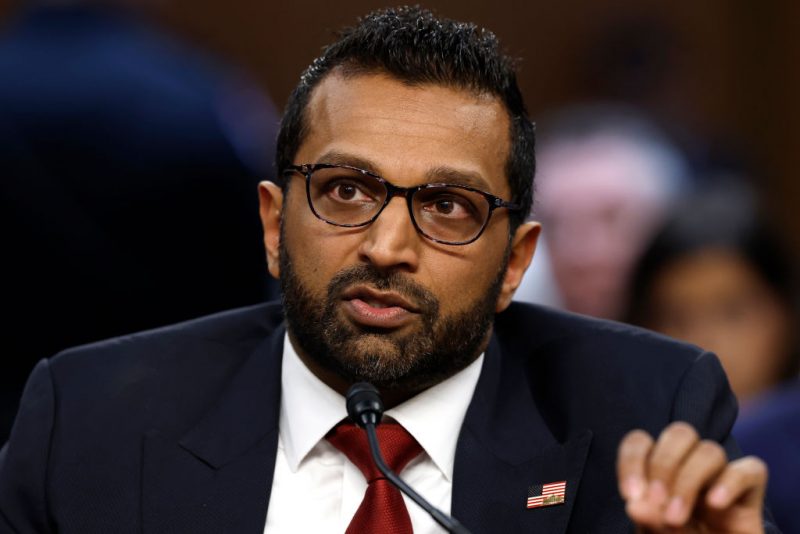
218 476
505 447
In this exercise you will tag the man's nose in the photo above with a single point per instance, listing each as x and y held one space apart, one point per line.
391 241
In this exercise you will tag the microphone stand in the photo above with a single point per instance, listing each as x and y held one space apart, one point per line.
365 408
448 523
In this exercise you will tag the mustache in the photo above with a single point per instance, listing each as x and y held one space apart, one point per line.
421 297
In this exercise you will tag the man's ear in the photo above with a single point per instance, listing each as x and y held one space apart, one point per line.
523 245
270 199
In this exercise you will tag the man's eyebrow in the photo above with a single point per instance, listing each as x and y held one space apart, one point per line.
334 157
453 176
441 174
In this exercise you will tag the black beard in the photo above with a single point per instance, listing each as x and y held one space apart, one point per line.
411 362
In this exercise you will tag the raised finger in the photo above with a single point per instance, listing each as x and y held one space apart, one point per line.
670 450
665 458
743 481
698 471
631 460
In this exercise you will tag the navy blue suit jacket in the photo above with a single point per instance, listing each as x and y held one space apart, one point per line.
175 430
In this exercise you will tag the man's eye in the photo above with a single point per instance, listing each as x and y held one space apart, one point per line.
445 207
451 206
347 190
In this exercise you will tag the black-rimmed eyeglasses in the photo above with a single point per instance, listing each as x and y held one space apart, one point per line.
348 196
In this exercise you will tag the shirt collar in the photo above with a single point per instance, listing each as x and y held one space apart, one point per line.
310 408
434 417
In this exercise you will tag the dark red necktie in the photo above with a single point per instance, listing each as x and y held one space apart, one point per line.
382 510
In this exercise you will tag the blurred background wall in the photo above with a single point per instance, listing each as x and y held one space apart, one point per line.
723 74
722 70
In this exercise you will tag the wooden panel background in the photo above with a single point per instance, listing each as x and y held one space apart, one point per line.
731 73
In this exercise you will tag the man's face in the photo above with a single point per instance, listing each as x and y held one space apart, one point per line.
381 302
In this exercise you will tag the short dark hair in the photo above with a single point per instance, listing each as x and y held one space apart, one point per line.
414 46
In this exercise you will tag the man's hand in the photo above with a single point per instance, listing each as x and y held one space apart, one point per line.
682 484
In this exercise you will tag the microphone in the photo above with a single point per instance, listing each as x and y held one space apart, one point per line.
365 408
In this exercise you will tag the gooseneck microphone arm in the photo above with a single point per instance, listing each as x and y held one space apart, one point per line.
448 523
365 408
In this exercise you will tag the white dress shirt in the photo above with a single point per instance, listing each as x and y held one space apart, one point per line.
317 489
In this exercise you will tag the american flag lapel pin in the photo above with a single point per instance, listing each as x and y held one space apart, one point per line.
547 494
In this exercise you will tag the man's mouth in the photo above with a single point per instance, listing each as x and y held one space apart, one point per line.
376 303
370 307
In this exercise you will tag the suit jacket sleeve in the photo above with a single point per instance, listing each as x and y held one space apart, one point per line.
704 399
24 459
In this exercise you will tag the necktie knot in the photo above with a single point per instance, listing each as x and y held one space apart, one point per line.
382 509
397 445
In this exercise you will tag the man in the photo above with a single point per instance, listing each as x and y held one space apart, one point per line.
232 423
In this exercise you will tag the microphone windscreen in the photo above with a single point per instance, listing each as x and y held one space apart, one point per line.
364 404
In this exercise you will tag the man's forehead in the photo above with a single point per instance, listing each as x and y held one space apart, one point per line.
464 128
350 89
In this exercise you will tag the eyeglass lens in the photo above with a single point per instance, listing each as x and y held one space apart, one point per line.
348 197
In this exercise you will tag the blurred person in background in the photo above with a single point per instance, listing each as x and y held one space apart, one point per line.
606 177
717 275
128 192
